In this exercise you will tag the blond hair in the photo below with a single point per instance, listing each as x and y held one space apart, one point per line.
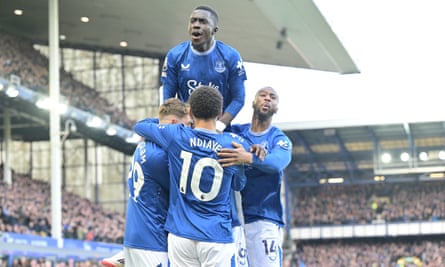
173 106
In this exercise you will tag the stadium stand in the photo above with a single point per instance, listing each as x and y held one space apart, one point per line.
90 232
364 204
25 219
19 57
388 224
25 209
373 253
25 205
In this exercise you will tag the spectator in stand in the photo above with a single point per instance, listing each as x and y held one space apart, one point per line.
26 210
18 57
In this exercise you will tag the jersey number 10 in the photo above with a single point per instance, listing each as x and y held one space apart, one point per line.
196 176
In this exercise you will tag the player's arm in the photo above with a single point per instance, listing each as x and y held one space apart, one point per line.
237 89
238 93
151 120
277 158
169 78
239 179
239 155
154 132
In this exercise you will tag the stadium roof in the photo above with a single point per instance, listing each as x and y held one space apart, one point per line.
280 32
272 32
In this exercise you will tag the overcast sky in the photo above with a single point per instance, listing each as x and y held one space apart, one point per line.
399 48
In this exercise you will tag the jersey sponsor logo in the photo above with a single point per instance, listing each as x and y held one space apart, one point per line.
185 67
193 84
219 66
284 144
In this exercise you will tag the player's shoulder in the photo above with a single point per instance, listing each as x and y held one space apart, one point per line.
230 50
239 128
233 137
179 48
171 127
280 138
277 132
275 129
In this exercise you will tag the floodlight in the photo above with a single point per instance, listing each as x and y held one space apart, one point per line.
404 156
133 138
386 158
441 155
95 122
423 156
111 131
12 91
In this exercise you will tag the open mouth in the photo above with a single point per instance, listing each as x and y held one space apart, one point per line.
196 35
265 107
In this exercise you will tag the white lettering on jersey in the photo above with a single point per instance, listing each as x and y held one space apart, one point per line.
207 144
193 84
142 152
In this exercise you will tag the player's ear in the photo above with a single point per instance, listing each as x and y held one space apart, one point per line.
215 29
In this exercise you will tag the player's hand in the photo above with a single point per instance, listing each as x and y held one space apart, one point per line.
234 156
259 151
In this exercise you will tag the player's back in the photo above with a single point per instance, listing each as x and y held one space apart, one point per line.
148 184
200 187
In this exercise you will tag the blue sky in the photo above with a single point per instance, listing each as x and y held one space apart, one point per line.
399 49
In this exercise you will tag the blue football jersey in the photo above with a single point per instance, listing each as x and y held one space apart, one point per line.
221 67
148 184
200 188
261 197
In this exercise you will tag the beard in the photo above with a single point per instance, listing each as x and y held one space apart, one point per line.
264 116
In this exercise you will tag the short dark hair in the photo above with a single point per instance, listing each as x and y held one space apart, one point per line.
205 102
211 10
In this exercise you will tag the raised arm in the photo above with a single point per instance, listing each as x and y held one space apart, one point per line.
153 132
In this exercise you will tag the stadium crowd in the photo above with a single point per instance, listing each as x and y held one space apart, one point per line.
372 253
34 261
18 57
26 209
364 204
25 205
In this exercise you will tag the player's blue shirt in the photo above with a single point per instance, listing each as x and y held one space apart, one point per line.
148 184
221 67
261 197
200 189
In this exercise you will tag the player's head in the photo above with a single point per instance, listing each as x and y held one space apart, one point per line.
205 103
265 104
174 111
203 25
